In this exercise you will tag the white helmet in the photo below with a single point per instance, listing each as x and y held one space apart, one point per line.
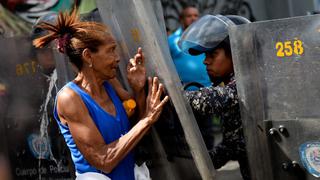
208 32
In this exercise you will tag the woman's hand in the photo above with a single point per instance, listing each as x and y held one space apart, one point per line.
136 72
154 104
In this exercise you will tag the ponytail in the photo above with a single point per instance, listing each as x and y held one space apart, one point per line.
72 36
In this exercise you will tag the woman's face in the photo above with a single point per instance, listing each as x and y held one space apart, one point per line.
218 64
105 60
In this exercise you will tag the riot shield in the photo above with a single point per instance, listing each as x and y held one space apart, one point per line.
29 135
140 24
277 68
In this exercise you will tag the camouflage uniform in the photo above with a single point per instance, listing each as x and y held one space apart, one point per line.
223 102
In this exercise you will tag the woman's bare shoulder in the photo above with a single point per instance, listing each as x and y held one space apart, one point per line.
69 103
67 95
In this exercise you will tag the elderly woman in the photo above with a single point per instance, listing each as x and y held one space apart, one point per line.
88 110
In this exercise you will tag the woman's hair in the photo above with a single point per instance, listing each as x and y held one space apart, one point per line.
73 36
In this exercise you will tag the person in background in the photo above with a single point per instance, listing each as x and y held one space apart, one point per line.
88 109
184 63
209 35
44 56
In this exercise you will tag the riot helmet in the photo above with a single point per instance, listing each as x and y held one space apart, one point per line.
208 32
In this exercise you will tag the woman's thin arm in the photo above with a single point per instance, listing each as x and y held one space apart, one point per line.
136 74
106 157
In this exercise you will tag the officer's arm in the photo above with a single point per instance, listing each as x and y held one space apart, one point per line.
213 100
73 112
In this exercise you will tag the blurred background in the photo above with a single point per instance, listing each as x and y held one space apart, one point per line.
17 16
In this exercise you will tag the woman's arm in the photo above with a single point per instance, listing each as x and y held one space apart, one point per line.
73 112
213 100
136 74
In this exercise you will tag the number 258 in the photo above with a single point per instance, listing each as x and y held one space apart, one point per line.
288 48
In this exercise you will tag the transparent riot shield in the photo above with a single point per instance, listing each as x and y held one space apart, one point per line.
140 24
30 137
277 69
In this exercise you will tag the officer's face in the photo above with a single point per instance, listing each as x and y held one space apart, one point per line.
218 63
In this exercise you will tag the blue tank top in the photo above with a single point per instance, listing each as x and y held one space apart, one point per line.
111 128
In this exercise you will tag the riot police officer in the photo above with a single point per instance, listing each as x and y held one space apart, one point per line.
44 56
209 35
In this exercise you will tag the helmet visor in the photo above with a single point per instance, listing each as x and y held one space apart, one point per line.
205 34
